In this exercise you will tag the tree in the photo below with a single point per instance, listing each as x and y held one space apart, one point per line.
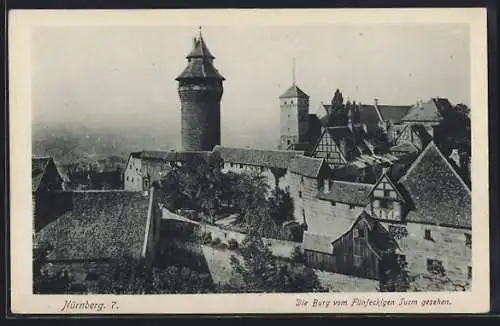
338 114
260 271
281 206
198 183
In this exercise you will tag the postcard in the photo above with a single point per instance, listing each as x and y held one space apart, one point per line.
249 161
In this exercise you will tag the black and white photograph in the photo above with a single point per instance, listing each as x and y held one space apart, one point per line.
270 158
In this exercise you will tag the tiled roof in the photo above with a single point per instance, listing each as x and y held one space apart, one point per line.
200 62
356 143
200 69
404 148
348 193
257 157
307 166
318 242
200 49
427 112
178 156
369 174
294 91
101 225
368 115
393 113
438 193
38 165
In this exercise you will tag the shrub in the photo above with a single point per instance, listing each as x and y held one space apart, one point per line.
232 244
297 255
220 245
216 241
206 238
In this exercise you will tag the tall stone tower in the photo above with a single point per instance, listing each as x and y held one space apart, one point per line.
200 90
294 116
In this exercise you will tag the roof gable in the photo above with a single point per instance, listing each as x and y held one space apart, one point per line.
384 178
438 193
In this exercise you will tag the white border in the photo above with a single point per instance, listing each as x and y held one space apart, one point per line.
22 299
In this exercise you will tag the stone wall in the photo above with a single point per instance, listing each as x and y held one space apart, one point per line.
445 244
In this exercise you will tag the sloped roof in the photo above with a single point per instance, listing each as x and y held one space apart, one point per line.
318 242
38 165
368 115
427 112
200 69
257 157
101 225
355 139
438 193
371 173
200 49
307 166
294 91
200 62
352 193
393 113
177 156
404 148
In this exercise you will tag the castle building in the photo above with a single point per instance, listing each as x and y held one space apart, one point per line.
200 91
419 213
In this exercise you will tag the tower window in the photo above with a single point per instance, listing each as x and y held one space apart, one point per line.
428 235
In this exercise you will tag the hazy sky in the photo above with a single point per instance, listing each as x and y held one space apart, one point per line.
124 76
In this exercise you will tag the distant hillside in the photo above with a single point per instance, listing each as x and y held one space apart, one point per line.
73 143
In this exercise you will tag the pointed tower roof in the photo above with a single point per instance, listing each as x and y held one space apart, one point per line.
294 91
200 49
200 62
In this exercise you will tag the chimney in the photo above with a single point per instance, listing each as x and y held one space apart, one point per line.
375 102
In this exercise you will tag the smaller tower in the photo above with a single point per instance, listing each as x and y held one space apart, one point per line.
294 116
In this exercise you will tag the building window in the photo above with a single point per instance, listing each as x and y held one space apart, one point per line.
351 206
333 203
428 235
241 166
468 240
398 232
291 102
435 266
301 179
127 177
469 272
285 102
300 194
387 193
132 179
384 203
